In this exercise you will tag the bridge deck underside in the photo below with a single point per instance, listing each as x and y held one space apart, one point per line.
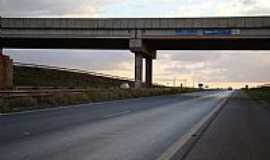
157 44
66 43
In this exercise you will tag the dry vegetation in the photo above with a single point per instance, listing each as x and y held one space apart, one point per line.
16 104
42 77
259 94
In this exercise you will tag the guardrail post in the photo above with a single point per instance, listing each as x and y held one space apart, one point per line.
6 71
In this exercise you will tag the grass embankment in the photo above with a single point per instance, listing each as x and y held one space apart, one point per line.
16 104
41 77
259 94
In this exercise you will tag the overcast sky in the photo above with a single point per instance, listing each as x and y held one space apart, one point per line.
205 66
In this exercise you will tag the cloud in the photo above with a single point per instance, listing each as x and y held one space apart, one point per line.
129 8
53 8
94 60
213 66
210 8
245 66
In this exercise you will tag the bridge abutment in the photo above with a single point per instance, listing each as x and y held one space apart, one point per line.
6 71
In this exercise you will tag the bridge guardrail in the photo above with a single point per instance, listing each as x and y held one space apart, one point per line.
36 93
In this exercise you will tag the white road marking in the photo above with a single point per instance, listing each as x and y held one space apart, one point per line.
172 150
116 114
26 133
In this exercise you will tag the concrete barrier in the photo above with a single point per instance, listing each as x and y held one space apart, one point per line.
6 72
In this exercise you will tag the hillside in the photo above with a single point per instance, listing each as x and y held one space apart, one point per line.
38 76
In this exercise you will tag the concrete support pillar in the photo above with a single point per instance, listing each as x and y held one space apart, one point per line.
142 50
149 72
138 69
6 71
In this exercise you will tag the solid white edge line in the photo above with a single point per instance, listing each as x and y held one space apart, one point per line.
172 150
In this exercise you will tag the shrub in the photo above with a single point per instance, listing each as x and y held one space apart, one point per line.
19 103
77 98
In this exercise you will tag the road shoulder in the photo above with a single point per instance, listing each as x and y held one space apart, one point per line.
241 131
183 145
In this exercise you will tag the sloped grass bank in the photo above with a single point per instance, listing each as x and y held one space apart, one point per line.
42 77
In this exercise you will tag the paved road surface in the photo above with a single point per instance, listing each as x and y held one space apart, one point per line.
122 130
240 132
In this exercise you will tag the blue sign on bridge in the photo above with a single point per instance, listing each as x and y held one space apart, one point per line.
207 32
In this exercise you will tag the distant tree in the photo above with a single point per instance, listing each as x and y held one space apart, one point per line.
200 85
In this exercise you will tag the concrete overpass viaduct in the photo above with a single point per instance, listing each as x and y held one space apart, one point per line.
142 36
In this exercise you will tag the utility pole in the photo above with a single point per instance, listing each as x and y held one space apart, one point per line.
183 82
174 82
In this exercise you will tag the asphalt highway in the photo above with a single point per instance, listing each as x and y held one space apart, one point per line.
134 129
